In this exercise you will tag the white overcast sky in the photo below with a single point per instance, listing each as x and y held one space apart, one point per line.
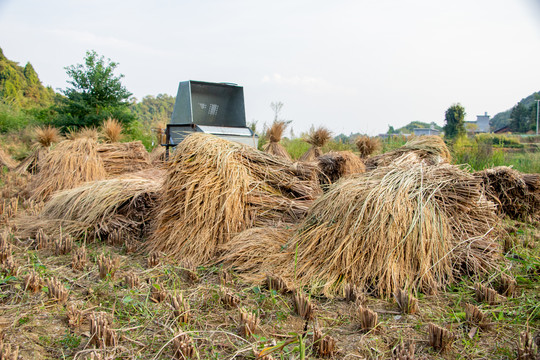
352 66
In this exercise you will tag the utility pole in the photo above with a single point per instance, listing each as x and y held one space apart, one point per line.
537 103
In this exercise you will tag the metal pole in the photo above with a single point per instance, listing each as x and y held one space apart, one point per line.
537 103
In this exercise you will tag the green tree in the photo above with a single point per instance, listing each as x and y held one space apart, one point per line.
455 121
519 118
154 111
95 94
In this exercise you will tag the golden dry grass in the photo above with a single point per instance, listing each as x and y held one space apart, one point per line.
367 145
97 209
47 135
317 139
6 160
112 130
31 163
428 149
70 163
517 194
85 132
215 189
337 164
158 156
394 227
256 252
121 158
274 134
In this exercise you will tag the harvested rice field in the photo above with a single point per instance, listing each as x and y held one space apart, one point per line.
227 252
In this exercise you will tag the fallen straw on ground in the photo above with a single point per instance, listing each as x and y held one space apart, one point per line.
429 149
97 209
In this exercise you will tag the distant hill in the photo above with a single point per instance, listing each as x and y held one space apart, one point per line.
408 129
503 118
21 86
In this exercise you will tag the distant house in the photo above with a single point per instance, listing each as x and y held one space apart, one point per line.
426 131
482 121
503 130
481 125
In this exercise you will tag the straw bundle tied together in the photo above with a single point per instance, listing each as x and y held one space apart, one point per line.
112 130
120 158
256 252
70 163
395 227
429 149
337 164
518 194
97 208
216 188
367 145
274 147
317 139
45 137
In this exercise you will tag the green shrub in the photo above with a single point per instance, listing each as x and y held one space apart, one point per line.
295 147
500 140
393 142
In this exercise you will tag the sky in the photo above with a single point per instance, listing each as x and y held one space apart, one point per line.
351 66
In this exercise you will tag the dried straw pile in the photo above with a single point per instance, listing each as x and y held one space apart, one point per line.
428 149
396 227
85 132
337 164
256 252
317 139
274 134
158 156
45 138
367 145
216 188
97 209
6 160
112 130
517 194
70 163
121 158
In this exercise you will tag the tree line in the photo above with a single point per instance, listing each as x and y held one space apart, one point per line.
94 93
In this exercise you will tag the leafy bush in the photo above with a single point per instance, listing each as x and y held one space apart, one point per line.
499 140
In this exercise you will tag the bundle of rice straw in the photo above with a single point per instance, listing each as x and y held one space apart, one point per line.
70 163
256 252
45 138
274 134
317 139
96 209
158 156
120 158
337 164
6 160
112 130
85 132
367 145
401 226
517 194
430 149
216 188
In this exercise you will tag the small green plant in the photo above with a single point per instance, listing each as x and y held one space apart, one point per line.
69 341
